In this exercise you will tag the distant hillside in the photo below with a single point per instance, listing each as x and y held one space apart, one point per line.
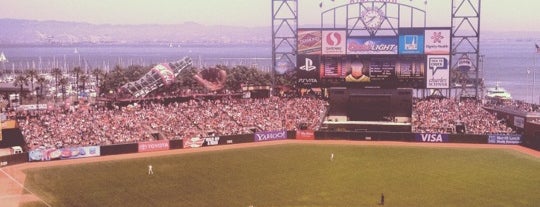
16 31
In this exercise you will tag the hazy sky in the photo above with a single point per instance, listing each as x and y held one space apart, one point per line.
496 14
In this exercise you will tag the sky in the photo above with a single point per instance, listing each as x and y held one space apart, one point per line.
497 15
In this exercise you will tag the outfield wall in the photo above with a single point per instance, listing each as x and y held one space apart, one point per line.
161 145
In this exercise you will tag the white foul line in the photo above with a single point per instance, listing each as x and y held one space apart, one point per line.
9 176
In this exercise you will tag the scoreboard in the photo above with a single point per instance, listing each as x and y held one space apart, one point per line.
415 58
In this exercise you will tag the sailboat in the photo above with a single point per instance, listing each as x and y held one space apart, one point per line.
3 58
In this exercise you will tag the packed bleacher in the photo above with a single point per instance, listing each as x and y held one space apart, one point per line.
90 125
442 115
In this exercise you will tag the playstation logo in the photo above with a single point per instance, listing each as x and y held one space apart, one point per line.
308 66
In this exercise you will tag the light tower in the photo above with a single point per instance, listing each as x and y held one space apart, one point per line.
284 35
466 44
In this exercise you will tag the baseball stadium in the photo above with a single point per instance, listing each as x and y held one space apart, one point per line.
372 108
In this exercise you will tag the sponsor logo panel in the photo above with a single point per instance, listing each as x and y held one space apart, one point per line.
437 42
309 42
308 70
270 135
504 139
154 146
369 46
334 42
194 142
305 135
438 74
432 137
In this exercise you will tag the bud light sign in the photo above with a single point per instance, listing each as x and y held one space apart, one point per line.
367 45
432 137
270 136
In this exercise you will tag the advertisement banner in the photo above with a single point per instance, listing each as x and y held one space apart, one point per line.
64 153
308 70
211 141
437 42
309 42
411 44
305 135
270 136
370 46
519 122
438 75
504 139
44 154
80 152
151 146
433 137
334 42
194 142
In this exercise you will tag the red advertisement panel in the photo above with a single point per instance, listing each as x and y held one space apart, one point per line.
154 146
305 135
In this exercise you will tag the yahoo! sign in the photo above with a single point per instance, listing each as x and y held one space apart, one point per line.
270 135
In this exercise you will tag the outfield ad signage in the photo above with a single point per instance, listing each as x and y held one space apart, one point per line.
437 42
432 137
308 70
334 42
309 42
154 146
504 139
305 135
411 41
438 74
372 45
64 153
194 142
519 122
270 135
211 141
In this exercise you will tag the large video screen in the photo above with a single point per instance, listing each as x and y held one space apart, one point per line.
414 58
378 71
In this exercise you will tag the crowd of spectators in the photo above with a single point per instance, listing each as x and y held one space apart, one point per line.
91 125
442 115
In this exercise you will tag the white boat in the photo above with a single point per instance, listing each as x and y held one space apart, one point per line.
498 92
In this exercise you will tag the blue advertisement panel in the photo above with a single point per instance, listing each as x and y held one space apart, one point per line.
411 44
504 139
431 137
270 135
64 153
372 46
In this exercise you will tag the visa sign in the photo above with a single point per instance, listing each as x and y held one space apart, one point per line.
432 137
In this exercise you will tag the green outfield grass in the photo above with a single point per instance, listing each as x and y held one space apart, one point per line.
299 175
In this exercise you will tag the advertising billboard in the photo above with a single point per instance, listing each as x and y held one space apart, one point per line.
437 42
438 74
372 45
270 135
334 42
504 139
194 142
519 121
309 42
64 153
308 70
305 134
154 146
431 137
411 44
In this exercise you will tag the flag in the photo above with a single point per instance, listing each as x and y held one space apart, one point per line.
537 48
